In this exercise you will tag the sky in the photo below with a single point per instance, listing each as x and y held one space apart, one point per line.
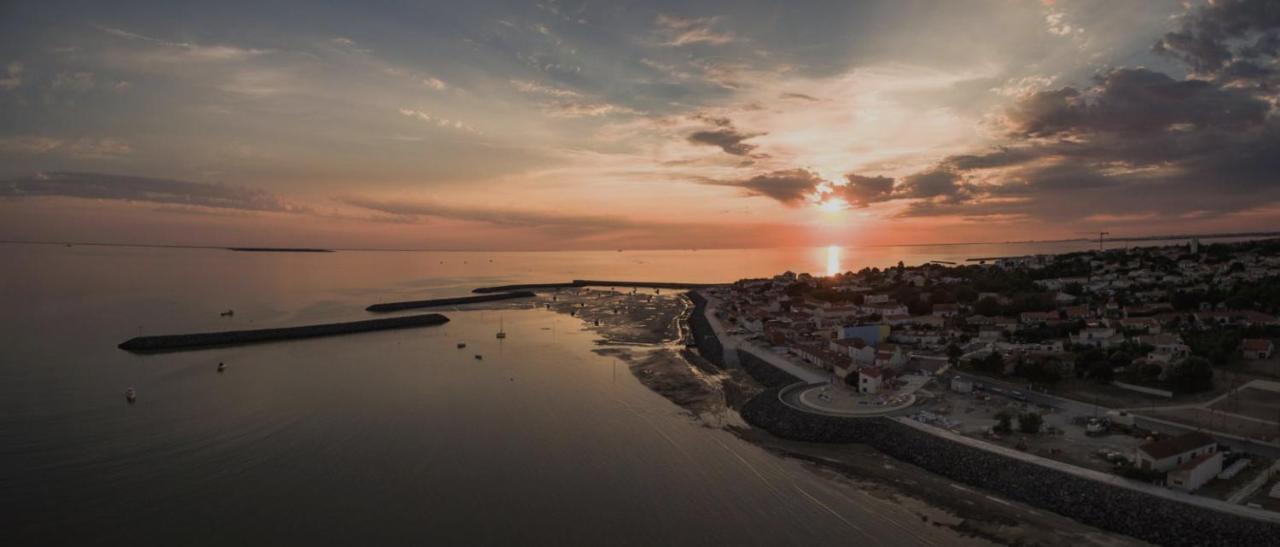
639 125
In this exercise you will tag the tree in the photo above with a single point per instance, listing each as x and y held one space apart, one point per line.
1192 375
953 353
1003 424
987 306
1030 422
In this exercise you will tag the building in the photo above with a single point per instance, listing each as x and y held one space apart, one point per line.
1193 474
1169 348
869 380
961 385
1174 452
871 334
1098 337
1257 348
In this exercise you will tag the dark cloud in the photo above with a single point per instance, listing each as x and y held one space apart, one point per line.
1207 41
790 187
800 96
728 139
1135 100
589 230
861 191
500 217
143 189
939 183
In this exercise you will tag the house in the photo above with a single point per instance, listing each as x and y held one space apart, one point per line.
1257 348
1032 317
1098 337
1193 474
961 385
890 356
1077 312
856 348
872 334
1168 348
946 310
1171 453
869 380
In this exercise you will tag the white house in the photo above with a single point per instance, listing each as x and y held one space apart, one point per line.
1173 452
1257 348
1193 474
869 380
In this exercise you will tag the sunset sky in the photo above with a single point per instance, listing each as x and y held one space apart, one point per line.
601 125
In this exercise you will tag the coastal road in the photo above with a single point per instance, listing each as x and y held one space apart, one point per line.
732 343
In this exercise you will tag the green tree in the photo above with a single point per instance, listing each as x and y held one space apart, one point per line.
987 306
1030 422
953 353
1003 423
1192 375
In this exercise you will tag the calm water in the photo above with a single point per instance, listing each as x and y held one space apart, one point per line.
393 437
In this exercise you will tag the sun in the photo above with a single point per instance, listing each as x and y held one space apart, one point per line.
833 205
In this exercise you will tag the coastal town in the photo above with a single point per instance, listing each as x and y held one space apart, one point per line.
1154 365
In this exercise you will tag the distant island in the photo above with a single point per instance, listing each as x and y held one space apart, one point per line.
278 250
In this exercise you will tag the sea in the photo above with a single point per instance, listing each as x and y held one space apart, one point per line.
386 438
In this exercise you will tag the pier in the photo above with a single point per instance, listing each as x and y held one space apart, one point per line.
578 283
226 338
436 302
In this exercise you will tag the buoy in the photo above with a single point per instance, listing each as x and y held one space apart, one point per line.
130 395
222 367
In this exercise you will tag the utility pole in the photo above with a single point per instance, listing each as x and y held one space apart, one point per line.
1100 235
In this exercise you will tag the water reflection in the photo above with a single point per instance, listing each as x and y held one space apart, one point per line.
833 260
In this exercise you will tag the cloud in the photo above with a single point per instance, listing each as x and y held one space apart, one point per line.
74 81
682 31
526 86
574 230
1205 40
937 183
85 148
12 76
183 52
434 83
1136 101
799 96
790 187
579 109
861 191
501 217
143 189
425 116
723 135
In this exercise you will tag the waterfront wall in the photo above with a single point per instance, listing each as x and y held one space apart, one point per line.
704 337
763 372
1108 506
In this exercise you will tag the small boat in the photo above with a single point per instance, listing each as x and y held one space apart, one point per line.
228 313
462 345
479 357
222 367
501 333
131 395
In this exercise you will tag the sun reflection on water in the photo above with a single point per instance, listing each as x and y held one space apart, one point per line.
833 260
